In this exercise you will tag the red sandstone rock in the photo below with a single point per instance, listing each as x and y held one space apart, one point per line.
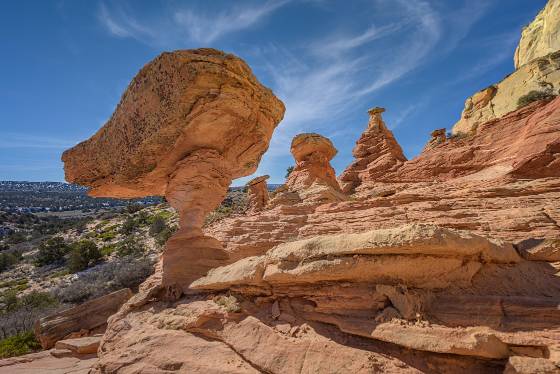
257 193
89 316
313 154
313 179
523 144
377 153
189 123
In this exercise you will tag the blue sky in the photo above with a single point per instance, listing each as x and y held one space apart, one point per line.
65 64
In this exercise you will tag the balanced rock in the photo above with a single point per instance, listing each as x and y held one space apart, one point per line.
257 193
377 153
313 177
189 123
540 37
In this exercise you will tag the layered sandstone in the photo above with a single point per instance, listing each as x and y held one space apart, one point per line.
446 263
313 179
540 37
522 144
537 63
189 122
377 153
257 193
416 298
82 320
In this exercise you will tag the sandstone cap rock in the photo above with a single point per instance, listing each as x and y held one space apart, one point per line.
305 144
180 102
257 180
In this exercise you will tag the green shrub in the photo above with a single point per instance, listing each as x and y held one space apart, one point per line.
108 249
83 254
107 236
534 96
18 314
164 235
133 208
52 251
157 226
7 260
18 345
16 237
128 226
289 171
129 247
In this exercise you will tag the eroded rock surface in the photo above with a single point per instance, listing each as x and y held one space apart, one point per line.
313 179
82 320
257 193
537 63
189 123
377 153
540 37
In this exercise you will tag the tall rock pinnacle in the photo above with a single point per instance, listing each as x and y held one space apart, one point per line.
377 153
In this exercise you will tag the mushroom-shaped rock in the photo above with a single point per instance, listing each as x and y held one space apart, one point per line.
376 153
313 177
257 193
312 153
189 122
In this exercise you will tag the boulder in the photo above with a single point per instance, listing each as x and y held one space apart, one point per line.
376 153
89 316
257 193
540 249
189 122
80 346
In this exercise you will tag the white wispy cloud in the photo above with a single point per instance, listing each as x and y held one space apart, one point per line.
340 44
206 28
181 24
121 23
17 140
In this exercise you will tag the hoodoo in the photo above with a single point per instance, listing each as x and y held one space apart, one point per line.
377 154
257 193
189 123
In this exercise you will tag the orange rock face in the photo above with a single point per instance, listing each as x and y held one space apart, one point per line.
257 193
189 123
377 153
313 154
179 102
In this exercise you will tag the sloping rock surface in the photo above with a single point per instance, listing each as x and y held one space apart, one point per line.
537 64
89 316
540 37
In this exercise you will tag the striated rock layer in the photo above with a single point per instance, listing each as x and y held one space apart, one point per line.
377 153
537 63
487 183
417 298
189 123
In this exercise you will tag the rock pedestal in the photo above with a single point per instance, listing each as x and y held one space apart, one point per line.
189 122
313 177
377 153
257 193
